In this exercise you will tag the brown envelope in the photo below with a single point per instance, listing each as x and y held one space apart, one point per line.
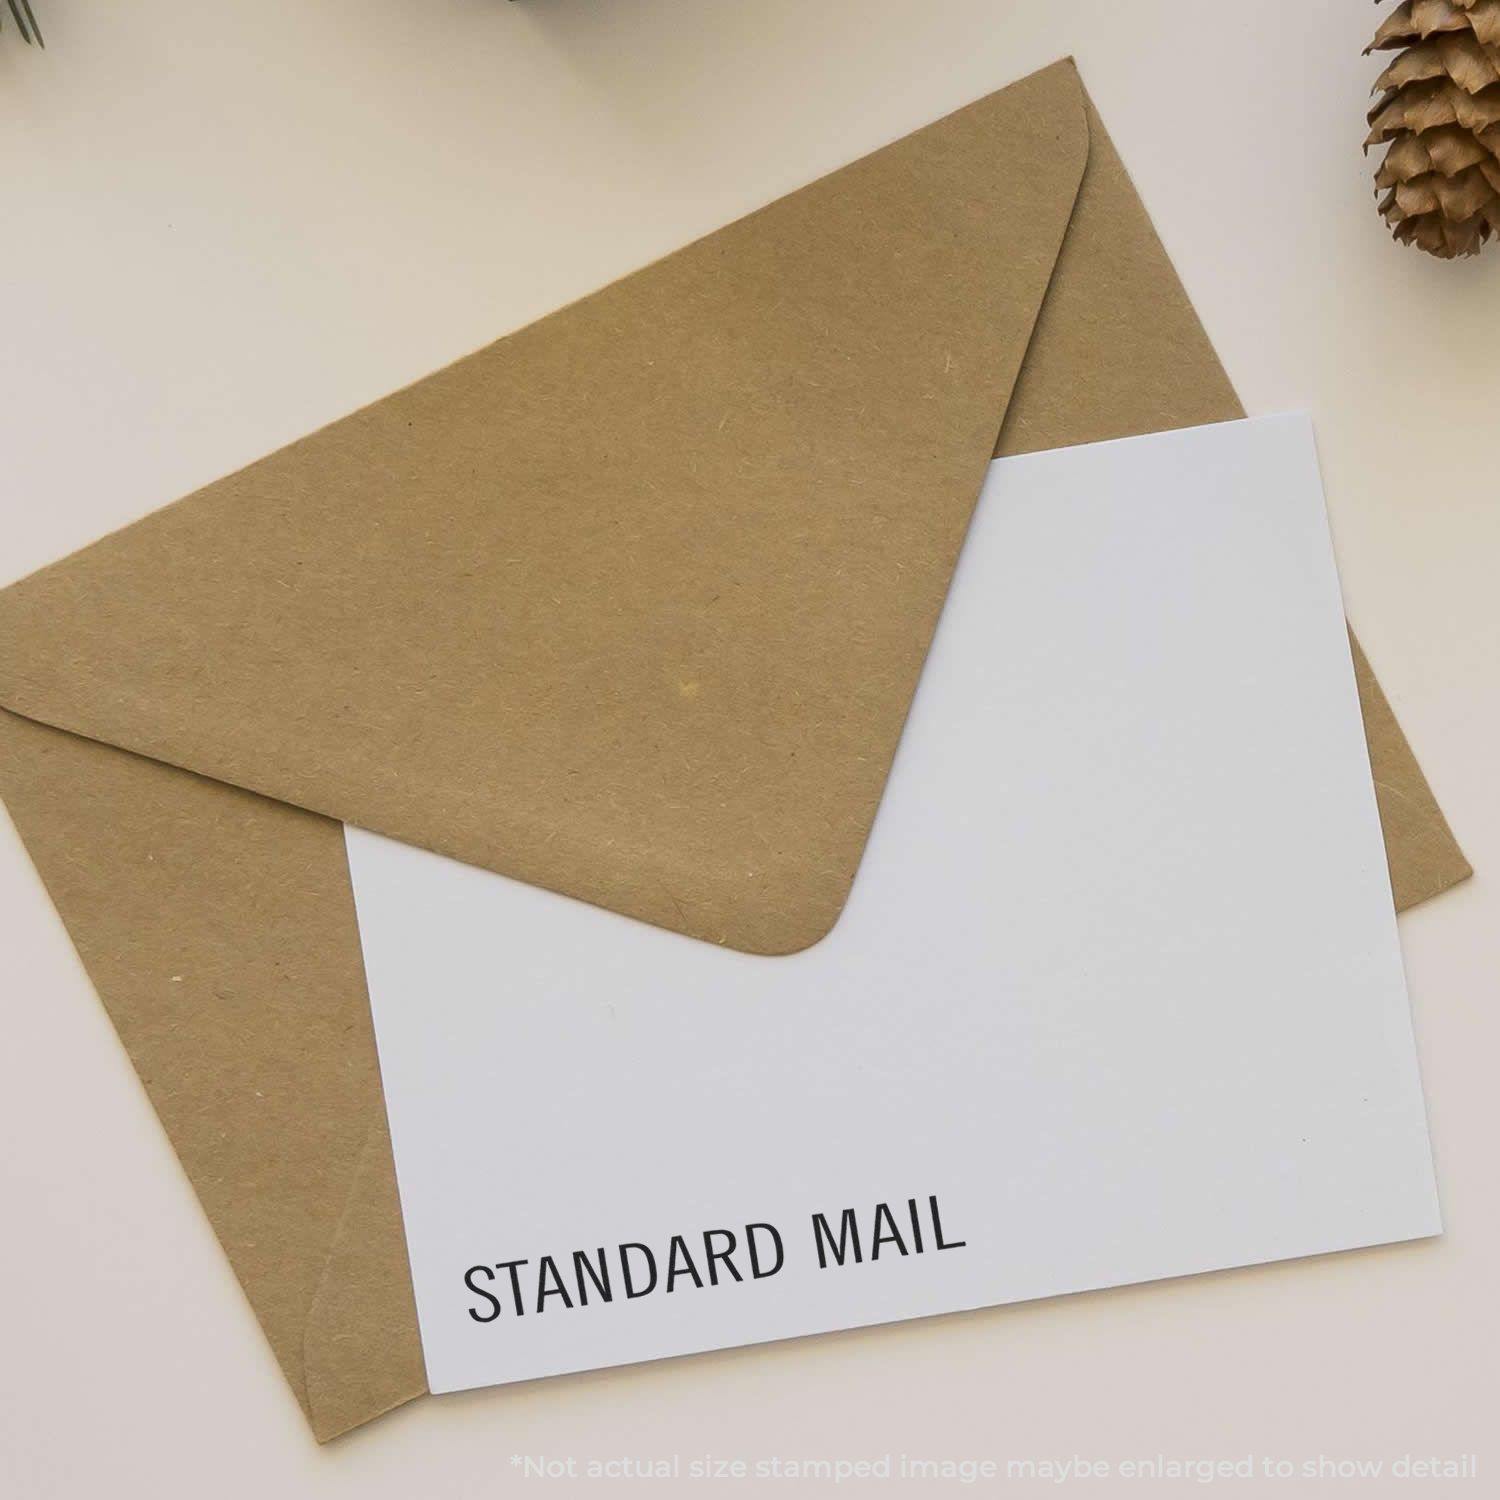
630 604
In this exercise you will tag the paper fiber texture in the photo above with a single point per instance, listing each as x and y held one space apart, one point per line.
638 611
1117 994
630 604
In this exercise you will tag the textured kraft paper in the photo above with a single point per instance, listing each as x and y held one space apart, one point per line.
630 604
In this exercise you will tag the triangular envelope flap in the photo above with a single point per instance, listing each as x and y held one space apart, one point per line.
630 604
219 929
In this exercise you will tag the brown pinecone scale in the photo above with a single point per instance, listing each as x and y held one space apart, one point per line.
1439 116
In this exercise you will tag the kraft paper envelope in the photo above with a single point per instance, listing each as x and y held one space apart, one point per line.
630 604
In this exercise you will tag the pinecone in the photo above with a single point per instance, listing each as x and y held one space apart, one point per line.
1440 111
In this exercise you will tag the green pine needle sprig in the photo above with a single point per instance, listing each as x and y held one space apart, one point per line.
20 13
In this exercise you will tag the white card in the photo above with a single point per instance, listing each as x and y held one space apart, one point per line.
1117 994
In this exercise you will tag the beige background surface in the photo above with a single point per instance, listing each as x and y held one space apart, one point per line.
226 224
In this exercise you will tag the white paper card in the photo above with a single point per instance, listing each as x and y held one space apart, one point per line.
1117 995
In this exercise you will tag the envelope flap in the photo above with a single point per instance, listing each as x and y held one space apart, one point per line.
219 930
630 604
361 1350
